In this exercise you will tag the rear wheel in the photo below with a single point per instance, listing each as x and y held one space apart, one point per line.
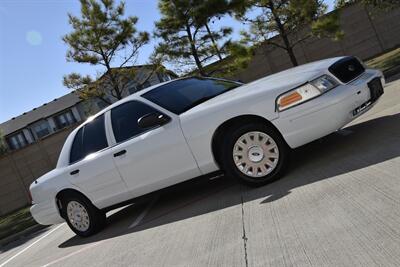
82 216
254 153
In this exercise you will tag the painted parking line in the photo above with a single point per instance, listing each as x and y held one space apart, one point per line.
28 247
112 212
144 213
135 223
73 253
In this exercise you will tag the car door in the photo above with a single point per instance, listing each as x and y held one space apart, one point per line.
152 158
92 167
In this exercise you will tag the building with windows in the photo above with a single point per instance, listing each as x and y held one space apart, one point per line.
43 121
143 77
66 111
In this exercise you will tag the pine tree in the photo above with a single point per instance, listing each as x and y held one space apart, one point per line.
381 4
186 37
102 36
285 18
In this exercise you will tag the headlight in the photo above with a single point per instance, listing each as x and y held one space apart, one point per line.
306 92
324 83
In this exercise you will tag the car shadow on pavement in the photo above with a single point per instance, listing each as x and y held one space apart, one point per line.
359 146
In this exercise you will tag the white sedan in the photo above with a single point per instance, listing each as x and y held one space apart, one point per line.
175 131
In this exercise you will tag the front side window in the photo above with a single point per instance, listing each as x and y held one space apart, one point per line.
182 95
125 118
89 139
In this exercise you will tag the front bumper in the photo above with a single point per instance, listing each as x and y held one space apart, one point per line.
326 113
46 213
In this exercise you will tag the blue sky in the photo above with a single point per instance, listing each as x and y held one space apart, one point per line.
32 55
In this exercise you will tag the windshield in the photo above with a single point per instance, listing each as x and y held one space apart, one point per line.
182 95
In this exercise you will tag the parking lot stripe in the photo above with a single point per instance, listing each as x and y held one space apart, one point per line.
144 213
72 254
135 223
28 247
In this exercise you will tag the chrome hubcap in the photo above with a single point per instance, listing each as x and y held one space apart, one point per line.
255 154
78 216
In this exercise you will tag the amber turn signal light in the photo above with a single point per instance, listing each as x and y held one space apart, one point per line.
290 99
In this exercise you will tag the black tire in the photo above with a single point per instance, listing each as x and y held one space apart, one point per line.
97 218
227 160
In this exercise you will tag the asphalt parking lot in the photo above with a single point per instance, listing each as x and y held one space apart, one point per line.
338 205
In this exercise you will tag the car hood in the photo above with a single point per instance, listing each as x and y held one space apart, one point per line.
274 84
302 74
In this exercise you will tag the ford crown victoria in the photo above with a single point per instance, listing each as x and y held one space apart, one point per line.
189 127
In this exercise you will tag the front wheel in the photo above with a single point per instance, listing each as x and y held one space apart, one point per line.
81 216
255 154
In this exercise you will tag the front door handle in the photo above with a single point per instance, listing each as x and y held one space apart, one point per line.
74 172
120 153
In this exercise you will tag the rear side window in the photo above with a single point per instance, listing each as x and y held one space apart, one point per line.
89 139
76 149
125 118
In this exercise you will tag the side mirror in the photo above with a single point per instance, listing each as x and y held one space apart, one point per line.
152 120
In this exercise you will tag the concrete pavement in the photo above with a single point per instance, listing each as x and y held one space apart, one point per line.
338 205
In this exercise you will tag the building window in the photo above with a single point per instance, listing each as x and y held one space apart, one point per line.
101 104
144 85
163 77
132 89
17 141
42 129
160 77
64 119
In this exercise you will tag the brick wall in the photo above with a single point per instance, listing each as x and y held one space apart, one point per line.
20 168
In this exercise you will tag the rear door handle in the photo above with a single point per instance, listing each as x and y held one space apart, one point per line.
120 153
74 172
